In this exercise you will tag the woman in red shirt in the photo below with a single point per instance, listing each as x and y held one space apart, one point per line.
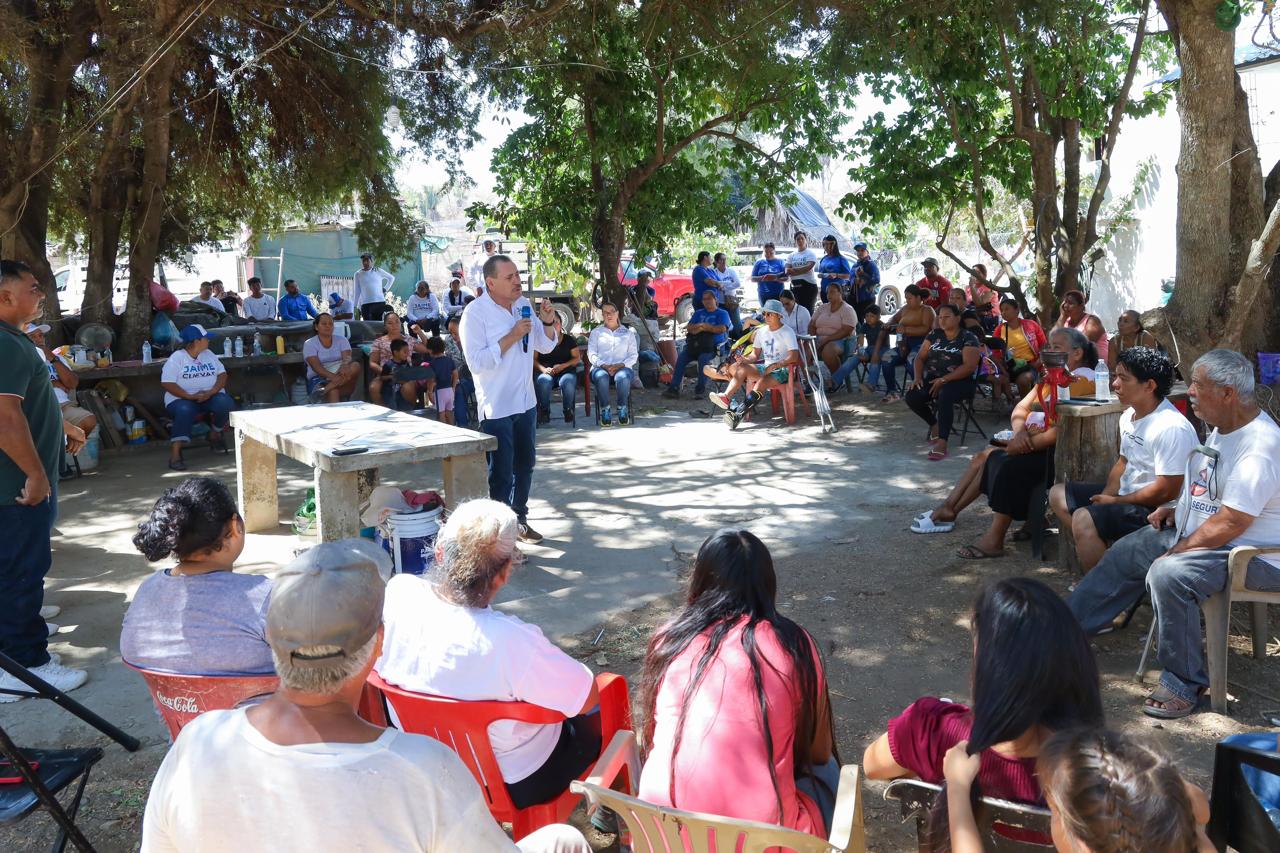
1033 675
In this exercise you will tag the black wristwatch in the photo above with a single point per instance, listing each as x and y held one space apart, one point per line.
548 325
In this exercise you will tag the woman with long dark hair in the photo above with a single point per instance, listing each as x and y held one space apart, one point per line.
734 692
1033 675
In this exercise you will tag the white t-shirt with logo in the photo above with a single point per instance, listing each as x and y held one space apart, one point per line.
1154 446
1246 477
422 307
192 375
775 346
260 307
62 396
469 653
799 258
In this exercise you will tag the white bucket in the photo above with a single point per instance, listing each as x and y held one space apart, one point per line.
299 393
410 538
88 455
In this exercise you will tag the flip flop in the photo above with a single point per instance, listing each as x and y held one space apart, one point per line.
937 455
928 525
1166 697
973 552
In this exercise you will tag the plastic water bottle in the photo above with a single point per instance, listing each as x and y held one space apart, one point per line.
226 348
239 347
1102 382
257 346
146 352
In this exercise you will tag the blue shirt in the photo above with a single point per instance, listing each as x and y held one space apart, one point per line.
296 307
718 317
706 278
443 367
870 284
833 264
769 289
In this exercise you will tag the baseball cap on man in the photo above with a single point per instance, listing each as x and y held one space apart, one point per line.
858 247
43 328
335 299
194 332
929 262
330 595
773 306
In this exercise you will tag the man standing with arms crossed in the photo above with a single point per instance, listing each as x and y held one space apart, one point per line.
499 345
800 265
372 284
30 454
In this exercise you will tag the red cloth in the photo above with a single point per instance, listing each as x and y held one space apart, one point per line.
921 735
162 299
938 289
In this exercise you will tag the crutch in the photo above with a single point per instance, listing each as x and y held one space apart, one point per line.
809 354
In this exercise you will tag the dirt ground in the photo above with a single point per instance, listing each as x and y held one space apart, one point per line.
889 608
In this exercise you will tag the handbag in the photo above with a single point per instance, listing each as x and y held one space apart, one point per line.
700 342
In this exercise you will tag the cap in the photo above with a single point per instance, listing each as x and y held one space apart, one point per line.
927 261
858 247
645 273
773 306
43 328
330 595
194 332
335 298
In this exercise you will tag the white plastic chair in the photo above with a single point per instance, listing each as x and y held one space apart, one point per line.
656 829
1217 622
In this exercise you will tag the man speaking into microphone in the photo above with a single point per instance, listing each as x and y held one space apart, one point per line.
499 337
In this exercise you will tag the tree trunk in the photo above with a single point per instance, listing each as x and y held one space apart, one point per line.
608 238
149 207
1044 201
1067 253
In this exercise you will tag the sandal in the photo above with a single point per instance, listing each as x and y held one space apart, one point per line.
973 552
177 464
937 455
1171 705
890 398
928 525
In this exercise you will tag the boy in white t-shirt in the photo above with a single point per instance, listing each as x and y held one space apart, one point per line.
776 350
1230 497
1155 439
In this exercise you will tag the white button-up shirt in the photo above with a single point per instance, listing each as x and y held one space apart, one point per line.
475 274
504 380
372 284
613 346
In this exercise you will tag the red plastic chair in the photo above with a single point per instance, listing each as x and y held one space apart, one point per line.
182 698
788 398
464 727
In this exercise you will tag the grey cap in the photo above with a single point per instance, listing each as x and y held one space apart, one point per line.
330 595
927 261
773 306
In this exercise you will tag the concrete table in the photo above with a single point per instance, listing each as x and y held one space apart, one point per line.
310 434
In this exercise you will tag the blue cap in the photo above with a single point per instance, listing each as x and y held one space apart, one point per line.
858 247
335 298
194 332
773 306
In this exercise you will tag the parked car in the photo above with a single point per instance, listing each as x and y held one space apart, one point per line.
673 291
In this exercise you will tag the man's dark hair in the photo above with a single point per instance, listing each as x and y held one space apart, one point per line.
289 281
701 255
800 234
366 256
491 266
12 271
1146 364
256 280
912 290
399 344
787 294
719 256
769 245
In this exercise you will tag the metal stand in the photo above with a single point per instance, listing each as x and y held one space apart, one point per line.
809 355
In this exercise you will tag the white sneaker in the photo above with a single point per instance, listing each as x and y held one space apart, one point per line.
51 628
49 611
62 677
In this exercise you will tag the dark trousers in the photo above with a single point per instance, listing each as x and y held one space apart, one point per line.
577 749
511 465
432 325
948 395
372 312
806 293
25 559
462 393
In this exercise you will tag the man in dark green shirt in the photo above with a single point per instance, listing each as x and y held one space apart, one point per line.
31 439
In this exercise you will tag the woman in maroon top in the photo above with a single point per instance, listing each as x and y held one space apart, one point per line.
1033 675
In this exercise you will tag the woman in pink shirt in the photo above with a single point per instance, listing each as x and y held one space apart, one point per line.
1075 316
733 691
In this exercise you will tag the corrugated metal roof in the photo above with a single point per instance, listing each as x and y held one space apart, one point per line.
1247 56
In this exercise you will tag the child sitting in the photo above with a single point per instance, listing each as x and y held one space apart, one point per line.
398 392
446 372
1108 793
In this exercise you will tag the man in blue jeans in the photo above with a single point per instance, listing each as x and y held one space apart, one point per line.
1230 497
710 323
30 456
499 344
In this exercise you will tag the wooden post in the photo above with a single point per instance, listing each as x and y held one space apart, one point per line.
1088 445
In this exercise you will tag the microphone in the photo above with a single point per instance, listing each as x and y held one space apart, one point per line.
526 313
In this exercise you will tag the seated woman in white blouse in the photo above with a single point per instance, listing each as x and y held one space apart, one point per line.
613 351
443 638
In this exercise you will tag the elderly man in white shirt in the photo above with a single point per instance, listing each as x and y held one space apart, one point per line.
372 284
613 351
423 308
499 341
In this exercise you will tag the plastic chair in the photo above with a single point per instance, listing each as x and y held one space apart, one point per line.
789 397
998 821
658 829
181 698
463 726
1217 622
1236 818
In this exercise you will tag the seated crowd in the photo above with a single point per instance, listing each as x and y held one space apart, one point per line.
731 689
